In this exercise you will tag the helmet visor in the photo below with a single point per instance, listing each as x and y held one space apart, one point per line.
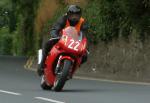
74 17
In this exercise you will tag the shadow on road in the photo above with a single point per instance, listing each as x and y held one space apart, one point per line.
82 90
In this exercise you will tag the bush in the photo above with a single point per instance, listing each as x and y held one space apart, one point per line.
5 42
110 19
10 43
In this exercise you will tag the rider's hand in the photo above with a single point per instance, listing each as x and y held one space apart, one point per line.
55 35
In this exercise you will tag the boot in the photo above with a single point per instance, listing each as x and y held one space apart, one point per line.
41 67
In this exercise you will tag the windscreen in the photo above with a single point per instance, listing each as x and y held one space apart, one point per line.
72 32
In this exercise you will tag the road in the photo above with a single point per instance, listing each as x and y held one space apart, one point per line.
18 85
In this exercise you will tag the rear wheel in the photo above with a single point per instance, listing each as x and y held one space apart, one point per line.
61 77
44 85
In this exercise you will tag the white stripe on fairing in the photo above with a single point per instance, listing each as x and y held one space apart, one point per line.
49 100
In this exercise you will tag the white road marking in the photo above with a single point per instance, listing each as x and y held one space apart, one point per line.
49 100
8 92
112 81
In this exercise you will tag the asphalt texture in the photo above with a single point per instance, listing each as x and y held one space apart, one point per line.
18 85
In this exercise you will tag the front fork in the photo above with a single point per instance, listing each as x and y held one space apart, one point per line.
58 66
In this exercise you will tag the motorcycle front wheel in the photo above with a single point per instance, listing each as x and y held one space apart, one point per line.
62 76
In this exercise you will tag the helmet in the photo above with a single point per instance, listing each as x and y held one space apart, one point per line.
74 14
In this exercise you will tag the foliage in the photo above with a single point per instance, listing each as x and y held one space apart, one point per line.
112 18
108 19
22 14
5 42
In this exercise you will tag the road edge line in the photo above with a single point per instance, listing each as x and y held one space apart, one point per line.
105 80
111 81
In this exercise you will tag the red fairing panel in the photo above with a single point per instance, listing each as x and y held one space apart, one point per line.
49 73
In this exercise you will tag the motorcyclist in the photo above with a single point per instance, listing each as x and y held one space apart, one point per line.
71 18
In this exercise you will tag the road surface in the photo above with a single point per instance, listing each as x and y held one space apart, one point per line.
18 85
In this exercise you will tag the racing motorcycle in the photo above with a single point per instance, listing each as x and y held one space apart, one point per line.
63 59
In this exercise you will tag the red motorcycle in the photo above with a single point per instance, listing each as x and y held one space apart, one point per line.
64 59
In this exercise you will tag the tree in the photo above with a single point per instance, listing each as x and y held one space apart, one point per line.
26 9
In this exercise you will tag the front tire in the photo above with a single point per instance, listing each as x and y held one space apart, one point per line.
62 77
